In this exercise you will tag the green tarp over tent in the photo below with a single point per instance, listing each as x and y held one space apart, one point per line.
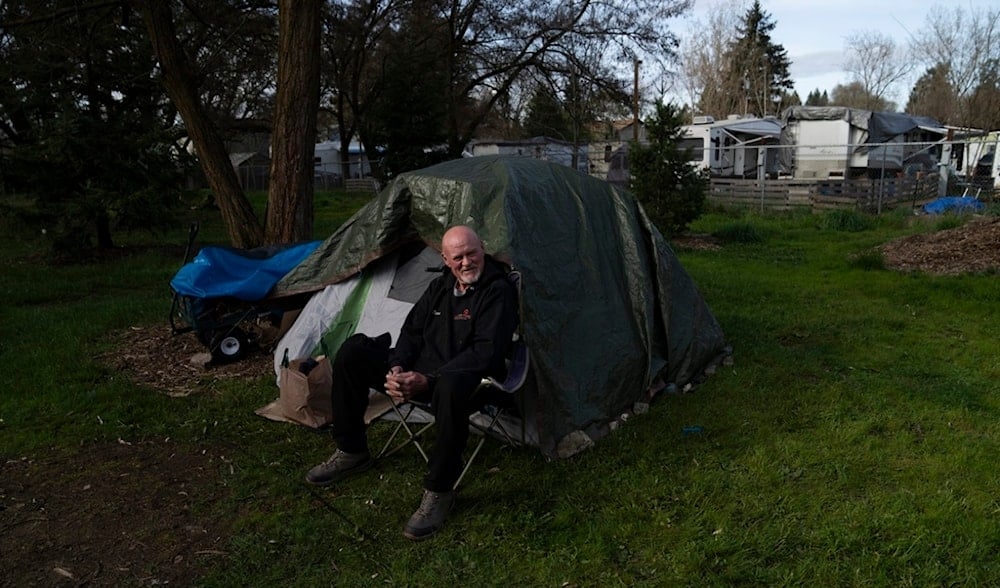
607 310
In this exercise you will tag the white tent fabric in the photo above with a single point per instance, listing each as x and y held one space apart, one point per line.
381 313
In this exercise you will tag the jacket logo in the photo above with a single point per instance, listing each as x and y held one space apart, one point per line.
463 316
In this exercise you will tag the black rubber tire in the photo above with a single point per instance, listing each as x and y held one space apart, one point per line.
229 345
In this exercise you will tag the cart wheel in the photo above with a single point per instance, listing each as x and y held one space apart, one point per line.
229 345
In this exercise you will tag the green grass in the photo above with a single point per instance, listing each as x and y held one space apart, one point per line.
852 442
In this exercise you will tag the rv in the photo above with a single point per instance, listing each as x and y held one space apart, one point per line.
696 139
825 142
734 148
980 162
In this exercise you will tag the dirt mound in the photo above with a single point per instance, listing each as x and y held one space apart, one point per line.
971 248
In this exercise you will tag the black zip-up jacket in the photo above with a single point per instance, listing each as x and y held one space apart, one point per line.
446 333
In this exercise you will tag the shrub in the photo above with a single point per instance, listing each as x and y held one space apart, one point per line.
671 190
868 260
738 232
850 221
950 221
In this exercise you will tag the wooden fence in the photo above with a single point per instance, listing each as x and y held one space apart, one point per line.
820 195
361 185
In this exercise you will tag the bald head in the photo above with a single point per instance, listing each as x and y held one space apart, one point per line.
462 251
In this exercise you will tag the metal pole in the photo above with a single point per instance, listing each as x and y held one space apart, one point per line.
635 102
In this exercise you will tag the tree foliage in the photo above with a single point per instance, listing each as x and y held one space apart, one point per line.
854 95
547 116
410 78
961 47
560 115
984 102
410 119
485 56
932 95
817 98
671 190
754 77
875 65
703 57
84 126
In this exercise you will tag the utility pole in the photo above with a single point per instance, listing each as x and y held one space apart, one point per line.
635 103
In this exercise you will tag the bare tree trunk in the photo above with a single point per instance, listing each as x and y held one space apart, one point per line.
237 213
293 138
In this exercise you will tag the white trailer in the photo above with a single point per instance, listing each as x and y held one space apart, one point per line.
741 147
838 142
696 137
980 162
735 147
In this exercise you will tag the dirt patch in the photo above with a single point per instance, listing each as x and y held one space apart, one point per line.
155 358
696 241
111 515
971 248
124 514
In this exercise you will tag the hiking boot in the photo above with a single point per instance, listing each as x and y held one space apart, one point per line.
341 465
429 518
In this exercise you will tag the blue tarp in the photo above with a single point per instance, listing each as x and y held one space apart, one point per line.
218 272
953 204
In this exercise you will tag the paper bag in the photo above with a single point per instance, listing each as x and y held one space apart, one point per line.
303 398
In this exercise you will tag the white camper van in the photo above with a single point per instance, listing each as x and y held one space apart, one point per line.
734 148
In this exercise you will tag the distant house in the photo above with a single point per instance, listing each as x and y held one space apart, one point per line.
608 157
328 159
250 154
544 148
625 131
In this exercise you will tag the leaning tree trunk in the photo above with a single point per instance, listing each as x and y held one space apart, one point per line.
237 213
293 136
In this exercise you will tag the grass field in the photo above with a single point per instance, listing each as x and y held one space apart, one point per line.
852 442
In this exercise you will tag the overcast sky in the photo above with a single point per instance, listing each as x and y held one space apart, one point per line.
814 31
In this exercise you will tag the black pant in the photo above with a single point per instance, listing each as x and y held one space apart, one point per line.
361 364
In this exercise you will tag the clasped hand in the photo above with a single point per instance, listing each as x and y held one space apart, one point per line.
402 386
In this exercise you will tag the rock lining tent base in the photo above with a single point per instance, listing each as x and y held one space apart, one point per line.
607 311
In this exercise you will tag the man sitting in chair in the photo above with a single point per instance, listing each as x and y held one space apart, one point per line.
457 333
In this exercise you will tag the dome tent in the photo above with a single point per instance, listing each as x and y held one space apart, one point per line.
607 311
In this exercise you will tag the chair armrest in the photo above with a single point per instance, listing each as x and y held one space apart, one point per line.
517 371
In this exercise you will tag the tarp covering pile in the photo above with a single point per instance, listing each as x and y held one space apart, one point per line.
607 310
955 204
245 275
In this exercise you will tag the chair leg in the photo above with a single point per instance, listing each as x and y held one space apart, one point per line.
479 446
414 433
412 436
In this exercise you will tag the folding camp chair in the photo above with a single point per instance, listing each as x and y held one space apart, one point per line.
496 397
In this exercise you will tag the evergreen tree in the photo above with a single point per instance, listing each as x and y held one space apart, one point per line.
984 103
671 190
83 123
933 95
410 116
756 70
816 98
547 117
